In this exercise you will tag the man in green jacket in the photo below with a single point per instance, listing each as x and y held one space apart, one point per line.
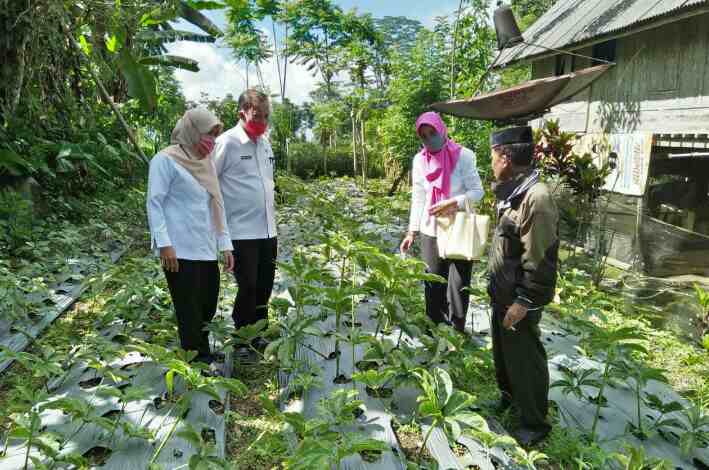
523 268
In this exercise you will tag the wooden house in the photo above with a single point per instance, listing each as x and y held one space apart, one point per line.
651 109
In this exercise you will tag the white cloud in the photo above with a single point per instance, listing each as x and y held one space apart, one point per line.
220 75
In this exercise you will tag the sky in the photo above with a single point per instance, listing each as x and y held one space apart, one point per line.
220 75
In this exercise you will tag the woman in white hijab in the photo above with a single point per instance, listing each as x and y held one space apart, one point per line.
188 226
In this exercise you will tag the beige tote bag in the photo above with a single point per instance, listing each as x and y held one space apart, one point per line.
463 237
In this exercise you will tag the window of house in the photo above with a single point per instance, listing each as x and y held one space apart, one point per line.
561 65
604 51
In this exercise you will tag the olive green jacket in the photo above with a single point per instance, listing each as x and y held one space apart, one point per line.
525 247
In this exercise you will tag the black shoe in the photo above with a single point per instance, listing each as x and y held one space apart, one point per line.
529 437
245 356
497 406
500 405
204 358
260 344
219 357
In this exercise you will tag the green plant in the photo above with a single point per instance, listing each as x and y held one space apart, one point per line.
321 443
447 408
294 331
125 396
329 450
491 440
574 382
614 343
640 375
79 410
696 431
529 459
661 421
634 458
375 381
44 367
304 381
16 220
27 427
205 458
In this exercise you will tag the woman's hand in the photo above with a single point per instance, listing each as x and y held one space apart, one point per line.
229 261
406 243
168 259
446 208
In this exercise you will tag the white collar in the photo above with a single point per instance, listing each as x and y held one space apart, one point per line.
237 132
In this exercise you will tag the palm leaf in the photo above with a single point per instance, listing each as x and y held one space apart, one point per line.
191 15
178 62
173 35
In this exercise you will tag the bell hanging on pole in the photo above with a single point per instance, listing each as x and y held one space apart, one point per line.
506 28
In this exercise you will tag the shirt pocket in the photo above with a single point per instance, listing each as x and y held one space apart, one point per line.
508 231
245 165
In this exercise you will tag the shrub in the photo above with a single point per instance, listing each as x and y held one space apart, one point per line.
307 160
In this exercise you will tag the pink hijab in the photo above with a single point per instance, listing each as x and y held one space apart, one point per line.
438 166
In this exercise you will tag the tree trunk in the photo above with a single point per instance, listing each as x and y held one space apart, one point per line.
13 76
285 63
397 182
453 50
324 161
364 154
354 145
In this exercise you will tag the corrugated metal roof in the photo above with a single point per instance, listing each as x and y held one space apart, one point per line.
573 22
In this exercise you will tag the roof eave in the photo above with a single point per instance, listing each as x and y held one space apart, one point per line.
630 30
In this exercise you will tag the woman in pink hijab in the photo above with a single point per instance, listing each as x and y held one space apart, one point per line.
444 176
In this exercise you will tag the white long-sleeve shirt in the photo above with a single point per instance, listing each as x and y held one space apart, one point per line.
245 171
465 184
180 214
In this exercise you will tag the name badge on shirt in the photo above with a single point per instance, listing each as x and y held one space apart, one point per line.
246 157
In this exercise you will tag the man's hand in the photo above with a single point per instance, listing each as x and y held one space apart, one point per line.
229 261
168 259
406 243
515 314
446 208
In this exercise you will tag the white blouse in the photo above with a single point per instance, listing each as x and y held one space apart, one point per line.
179 213
465 184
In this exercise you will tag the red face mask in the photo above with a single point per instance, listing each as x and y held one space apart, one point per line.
254 129
206 145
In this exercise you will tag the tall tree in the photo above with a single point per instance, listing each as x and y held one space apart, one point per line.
530 10
249 43
316 34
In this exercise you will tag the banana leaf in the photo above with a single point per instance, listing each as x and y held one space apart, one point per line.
171 61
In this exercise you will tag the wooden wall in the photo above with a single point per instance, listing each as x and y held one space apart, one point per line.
660 84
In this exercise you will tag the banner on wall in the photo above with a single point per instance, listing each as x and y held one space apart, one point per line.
633 163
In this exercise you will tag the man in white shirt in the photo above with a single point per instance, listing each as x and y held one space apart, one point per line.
244 161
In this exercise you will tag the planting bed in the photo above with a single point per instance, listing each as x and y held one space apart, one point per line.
58 297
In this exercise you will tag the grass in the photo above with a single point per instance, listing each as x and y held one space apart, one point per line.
254 439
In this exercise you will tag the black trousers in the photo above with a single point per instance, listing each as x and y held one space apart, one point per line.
521 367
194 289
255 272
446 302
